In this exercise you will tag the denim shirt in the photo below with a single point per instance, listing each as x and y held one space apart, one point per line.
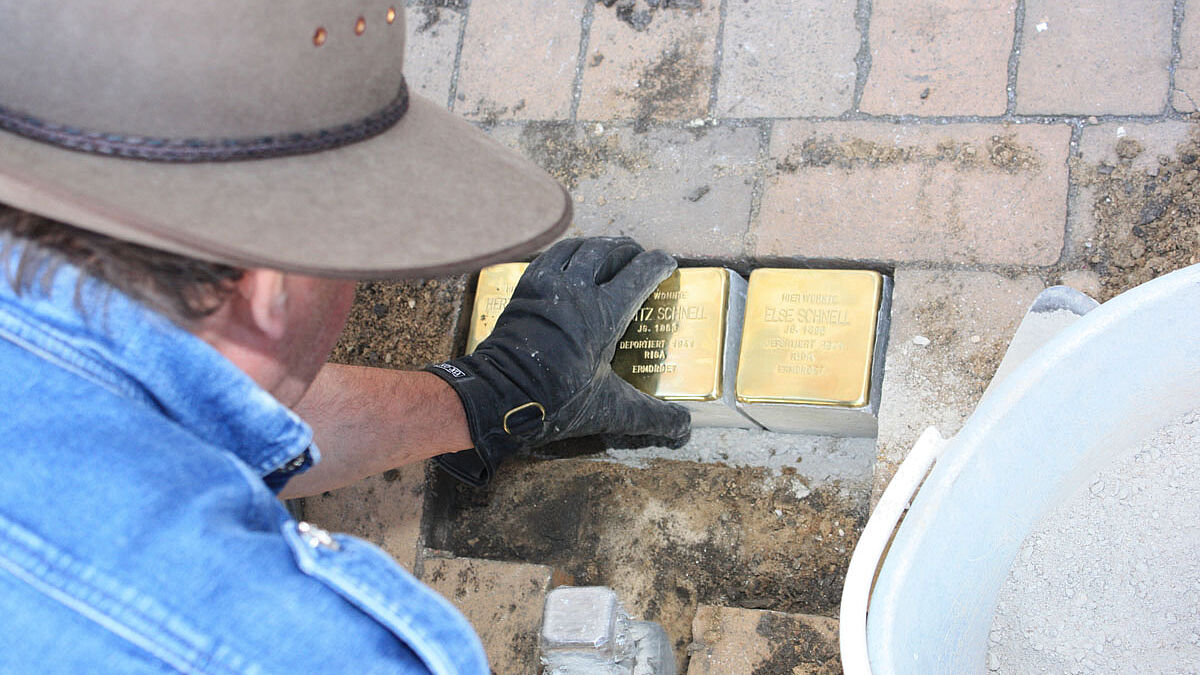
140 530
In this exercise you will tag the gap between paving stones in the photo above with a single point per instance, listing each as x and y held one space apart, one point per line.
1014 59
862 60
718 59
1177 16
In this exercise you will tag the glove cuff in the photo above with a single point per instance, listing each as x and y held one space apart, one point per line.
501 418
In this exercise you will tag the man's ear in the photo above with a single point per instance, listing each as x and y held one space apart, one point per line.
265 295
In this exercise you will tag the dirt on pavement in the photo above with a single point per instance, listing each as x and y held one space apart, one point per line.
1147 220
999 152
639 14
571 154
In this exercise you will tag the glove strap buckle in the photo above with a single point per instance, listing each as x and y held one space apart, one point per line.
528 419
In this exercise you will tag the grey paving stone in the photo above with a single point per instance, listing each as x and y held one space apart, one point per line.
687 191
771 69
518 59
1186 97
939 57
432 44
657 70
950 330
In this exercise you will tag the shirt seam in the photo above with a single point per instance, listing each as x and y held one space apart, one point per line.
49 347
182 655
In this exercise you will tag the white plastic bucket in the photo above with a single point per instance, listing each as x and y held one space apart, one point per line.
1092 392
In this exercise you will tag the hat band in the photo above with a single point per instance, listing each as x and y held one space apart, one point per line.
157 149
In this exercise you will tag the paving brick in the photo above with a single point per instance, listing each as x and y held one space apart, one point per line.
687 191
949 333
939 57
730 641
662 72
770 69
503 601
1098 145
519 61
1100 57
969 193
385 510
1186 97
432 43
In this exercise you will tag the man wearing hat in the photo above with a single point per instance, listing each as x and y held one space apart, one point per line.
187 192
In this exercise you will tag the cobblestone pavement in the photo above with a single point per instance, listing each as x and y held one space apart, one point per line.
966 146
929 135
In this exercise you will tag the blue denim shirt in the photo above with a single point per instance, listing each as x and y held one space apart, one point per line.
139 532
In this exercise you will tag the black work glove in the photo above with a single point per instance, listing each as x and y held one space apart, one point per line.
544 373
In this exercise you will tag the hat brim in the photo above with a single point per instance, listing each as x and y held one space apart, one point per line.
430 196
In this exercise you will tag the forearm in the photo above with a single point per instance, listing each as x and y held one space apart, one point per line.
369 420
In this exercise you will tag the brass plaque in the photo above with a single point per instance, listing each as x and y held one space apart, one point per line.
809 336
492 293
674 347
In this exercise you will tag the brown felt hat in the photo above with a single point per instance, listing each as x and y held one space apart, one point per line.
255 133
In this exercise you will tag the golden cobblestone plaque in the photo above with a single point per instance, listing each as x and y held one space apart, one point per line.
492 293
681 346
674 346
808 349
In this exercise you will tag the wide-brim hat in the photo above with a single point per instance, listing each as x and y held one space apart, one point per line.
255 133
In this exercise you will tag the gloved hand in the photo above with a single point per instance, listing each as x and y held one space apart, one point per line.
544 372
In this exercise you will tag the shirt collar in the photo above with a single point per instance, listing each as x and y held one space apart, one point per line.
141 355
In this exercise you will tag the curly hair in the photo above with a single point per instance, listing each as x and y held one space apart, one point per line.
183 289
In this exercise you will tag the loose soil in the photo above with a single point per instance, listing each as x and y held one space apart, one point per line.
1148 221
669 87
799 649
946 325
571 154
666 537
402 324
1000 152
639 14
430 16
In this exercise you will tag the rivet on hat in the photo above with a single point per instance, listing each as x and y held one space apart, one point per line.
319 37
360 26
391 14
